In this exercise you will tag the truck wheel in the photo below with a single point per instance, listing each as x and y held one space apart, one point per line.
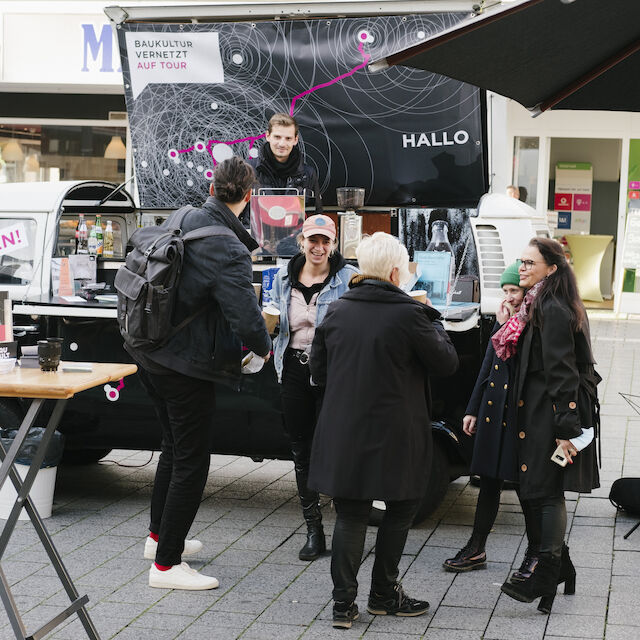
436 489
83 456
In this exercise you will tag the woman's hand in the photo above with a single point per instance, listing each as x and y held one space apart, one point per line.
568 449
504 312
469 425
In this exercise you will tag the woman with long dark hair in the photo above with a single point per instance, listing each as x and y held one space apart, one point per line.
556 407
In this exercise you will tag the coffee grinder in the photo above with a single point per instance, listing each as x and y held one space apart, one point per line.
350 199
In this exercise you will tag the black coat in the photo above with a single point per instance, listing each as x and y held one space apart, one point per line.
217 273
374 352
494 448
302 177
555 394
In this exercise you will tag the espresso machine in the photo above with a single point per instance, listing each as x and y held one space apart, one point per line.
350 199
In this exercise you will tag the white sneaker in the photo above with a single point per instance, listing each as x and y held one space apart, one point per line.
151 546
180 576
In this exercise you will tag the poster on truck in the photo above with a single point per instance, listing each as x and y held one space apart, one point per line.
199 93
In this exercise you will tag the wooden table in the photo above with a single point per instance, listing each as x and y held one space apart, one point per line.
41 386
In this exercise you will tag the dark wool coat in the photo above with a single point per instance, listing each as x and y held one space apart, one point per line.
374 352
494 449
555 394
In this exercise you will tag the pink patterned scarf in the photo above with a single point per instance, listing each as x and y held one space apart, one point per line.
505 340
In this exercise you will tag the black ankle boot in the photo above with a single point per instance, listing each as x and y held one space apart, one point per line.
543 583
315 545
567 572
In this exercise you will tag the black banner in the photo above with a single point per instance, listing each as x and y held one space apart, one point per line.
197 93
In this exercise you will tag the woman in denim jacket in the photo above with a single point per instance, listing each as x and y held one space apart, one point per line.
302 292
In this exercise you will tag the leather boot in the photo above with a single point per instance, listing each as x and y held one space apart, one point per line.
527 567
567 572
542 584
315 545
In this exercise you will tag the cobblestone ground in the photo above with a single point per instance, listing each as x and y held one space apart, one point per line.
251 528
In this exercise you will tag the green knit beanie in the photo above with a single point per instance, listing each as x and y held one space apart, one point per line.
511 275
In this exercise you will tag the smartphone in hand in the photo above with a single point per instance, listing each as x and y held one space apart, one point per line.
558 457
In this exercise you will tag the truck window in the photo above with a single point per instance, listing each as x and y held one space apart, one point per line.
17 250
67 234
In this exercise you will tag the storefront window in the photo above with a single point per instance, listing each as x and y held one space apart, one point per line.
53 152
525 168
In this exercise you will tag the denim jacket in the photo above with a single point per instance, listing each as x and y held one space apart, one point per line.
281 297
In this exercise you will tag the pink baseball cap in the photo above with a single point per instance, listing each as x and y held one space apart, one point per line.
319 225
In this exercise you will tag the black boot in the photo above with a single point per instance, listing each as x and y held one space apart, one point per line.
567 572
543 583
315 545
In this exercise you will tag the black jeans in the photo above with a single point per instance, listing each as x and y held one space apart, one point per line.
348 545
550 515
301 406
184 406
487 510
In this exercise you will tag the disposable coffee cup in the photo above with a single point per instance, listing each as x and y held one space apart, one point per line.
420 295
257 287
271 317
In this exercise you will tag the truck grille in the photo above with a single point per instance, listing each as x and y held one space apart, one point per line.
491 256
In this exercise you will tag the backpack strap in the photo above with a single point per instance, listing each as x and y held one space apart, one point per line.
174 221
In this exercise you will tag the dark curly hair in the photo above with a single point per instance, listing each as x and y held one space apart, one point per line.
232 179
561 284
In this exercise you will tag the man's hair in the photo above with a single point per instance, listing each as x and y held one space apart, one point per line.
232 179
282 120
380 253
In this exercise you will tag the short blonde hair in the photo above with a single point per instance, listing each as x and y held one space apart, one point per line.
380 253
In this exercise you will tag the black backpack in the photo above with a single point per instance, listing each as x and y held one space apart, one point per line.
148 283
625 495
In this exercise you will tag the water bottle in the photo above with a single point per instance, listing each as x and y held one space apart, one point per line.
93 242
440 242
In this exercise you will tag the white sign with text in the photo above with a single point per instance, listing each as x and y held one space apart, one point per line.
169 58
13 239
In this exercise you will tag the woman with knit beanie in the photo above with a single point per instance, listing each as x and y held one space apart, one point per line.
489 417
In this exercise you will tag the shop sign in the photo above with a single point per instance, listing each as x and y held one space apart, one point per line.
69 49
572 198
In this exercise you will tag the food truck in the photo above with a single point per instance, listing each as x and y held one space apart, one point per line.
200 84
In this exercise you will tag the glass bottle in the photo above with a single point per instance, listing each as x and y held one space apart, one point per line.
108 241
99 236
93 241
83 246
440 242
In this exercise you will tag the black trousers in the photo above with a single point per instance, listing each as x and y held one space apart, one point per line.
348 545
487 510
550 515
301 405
184 406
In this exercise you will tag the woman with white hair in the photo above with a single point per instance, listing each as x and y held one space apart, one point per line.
373 353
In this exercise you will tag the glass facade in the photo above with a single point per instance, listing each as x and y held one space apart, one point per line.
53 152
525 168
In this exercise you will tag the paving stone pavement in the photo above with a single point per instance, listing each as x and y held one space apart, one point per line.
250 525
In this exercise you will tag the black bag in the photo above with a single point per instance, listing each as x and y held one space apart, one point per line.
625 495
147 284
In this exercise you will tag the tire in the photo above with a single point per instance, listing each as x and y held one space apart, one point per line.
436 489
83 456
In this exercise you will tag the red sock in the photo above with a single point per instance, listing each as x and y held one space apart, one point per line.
153 536
161 567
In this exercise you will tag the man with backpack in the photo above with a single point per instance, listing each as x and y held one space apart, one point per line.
215 308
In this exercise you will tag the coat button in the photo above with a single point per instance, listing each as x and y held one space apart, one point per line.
572 405
521 403
504 424
523 467
506 386
487 419
490 403
495 366
491 384
522 435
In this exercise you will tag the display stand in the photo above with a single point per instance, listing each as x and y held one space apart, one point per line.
587 252
41 386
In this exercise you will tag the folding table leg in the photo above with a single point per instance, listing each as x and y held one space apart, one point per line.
22 488
11 608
